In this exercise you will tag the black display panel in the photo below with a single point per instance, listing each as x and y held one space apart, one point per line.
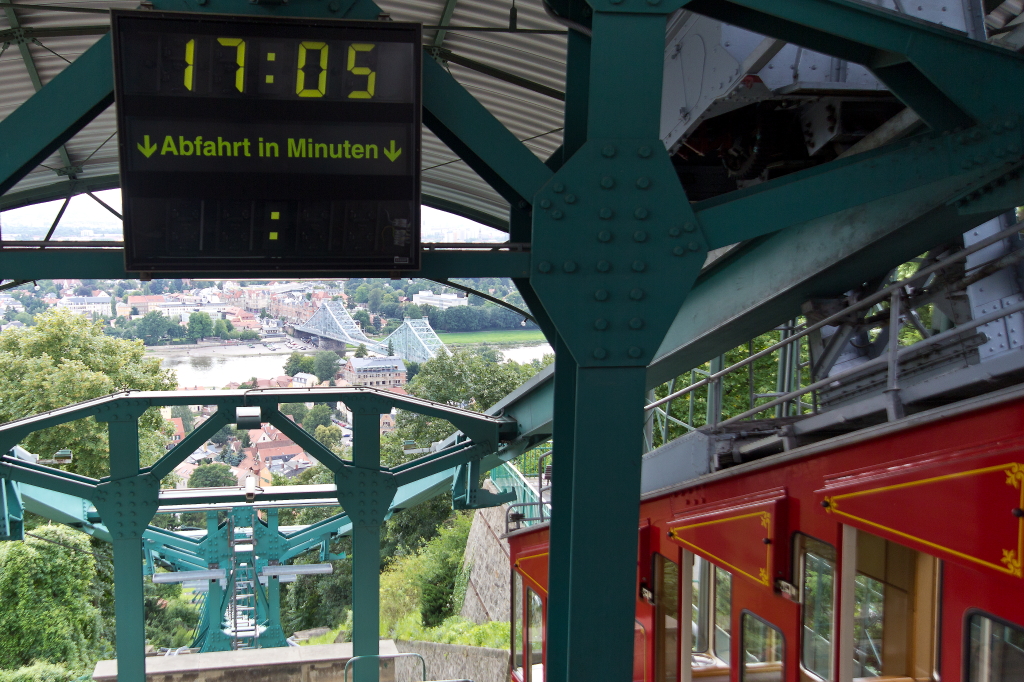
254 143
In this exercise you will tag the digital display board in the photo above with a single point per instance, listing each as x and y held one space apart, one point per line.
257 143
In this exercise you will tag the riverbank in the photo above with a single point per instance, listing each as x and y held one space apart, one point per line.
500 337
215 349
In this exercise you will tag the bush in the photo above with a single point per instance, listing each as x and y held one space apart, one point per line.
455 630
41 672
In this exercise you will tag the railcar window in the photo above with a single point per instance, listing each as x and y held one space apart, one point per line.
700 604
762 651
517 625
723 613
666 581
535 636
996 650
868 624
818 599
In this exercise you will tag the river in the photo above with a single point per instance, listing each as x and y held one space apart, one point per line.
217 367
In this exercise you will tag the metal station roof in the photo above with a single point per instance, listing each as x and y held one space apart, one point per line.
39 38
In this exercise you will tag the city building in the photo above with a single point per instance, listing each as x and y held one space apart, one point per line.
441 301
86 305
387 372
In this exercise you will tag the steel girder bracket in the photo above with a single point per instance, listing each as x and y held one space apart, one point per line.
467 494
12 513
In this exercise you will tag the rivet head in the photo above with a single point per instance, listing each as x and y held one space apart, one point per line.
556 214
601 295
604 236
678 251
635 351
643 183
544 266
688 227
545 203
673 231
643 152
570 198
569 266
600 324
639 236
607 182
558 187
636 294
640 213
606 213
693 246
603 266
636 323
608 151
639 266
601 353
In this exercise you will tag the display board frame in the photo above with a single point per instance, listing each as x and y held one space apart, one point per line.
264 143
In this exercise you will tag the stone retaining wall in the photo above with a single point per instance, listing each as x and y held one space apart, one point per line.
452 662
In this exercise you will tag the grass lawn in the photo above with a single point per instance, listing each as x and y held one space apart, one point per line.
500 336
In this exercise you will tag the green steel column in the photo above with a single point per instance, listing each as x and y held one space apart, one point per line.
127 503
714 412
559 563
616 247
605 514
366 552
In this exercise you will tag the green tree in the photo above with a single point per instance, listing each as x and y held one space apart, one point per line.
220 328
391 348
212 476
375 298
326 364
226 433
297 410
320 415
151 327
199 326
330 436
294 364
183 413
443 562
46 615
361 351
66 359
244 439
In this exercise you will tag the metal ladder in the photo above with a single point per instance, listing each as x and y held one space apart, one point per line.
241 614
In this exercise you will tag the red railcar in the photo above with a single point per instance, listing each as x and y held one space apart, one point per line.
894 552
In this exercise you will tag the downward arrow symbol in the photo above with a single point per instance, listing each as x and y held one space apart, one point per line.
148 149
389 152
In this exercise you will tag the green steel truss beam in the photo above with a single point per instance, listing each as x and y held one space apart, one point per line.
486 431
108 263
55 113
974 157
478 138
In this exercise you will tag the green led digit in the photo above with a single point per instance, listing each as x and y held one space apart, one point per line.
190 56
239 46
321 81
371 76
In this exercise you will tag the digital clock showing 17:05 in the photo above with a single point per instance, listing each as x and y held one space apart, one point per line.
249 144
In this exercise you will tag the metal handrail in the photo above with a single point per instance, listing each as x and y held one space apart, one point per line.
867 302
423 661
882 360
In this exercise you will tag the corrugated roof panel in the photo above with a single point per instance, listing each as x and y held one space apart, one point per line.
527 114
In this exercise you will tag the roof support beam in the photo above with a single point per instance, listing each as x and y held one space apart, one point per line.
55 113
446 19
108 263
33 74
478 138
